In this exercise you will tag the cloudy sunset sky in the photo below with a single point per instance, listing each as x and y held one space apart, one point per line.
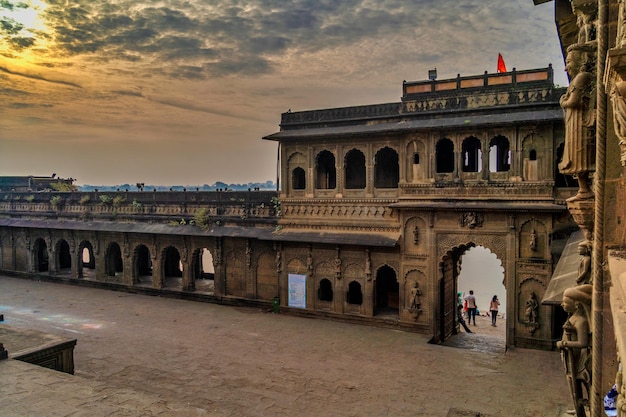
181 91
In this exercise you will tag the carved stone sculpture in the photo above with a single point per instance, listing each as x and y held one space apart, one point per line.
575 345
584 267
618 98
415 305
579 151
471 219
532 306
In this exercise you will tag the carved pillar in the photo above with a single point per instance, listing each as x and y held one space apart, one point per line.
188 283
76 257
369 171
249 272
218 267
53 260
485 161
127 271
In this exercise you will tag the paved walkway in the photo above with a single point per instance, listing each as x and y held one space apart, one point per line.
150 356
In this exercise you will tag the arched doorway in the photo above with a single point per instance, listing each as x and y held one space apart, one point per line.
202 271
86 260
142 266
172 268
64 258
481 272
386 298
113 258
41 256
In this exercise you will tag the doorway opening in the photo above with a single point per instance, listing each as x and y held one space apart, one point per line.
481 272
387 296
142 266
86 261
203 271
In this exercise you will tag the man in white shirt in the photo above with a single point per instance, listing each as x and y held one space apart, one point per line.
471 308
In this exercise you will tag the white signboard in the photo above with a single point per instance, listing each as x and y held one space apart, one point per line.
297 291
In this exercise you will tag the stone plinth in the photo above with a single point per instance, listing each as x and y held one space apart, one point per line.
43 349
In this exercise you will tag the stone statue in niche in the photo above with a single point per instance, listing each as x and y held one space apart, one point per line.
584 267
416 236
618 98
532 309
578 104
415 301
575 345
533 240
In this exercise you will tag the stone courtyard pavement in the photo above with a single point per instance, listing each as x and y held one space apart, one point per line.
139 355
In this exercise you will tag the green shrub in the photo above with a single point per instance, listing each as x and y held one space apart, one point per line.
137 206
55 201
202 218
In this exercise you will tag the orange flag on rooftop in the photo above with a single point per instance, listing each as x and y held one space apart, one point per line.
501 66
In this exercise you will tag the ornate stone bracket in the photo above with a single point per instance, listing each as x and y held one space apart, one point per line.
583 213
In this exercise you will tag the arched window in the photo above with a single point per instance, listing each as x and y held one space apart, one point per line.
355 295
355 169
472 155
533 155
326 171
499 154
325 291
416 158
386 169
298 179
445 156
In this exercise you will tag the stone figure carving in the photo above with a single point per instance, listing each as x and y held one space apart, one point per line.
618 98
586 28
584 267
579 151
471 219
415 302
533 240
416 236
338 267
532 307
575 345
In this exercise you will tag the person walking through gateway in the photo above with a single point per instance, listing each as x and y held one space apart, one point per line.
471 308
493 309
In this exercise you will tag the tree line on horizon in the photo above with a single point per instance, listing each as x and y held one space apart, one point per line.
265 186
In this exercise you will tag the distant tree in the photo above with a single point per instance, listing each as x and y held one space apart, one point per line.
63 186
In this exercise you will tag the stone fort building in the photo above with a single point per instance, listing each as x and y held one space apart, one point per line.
378 203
